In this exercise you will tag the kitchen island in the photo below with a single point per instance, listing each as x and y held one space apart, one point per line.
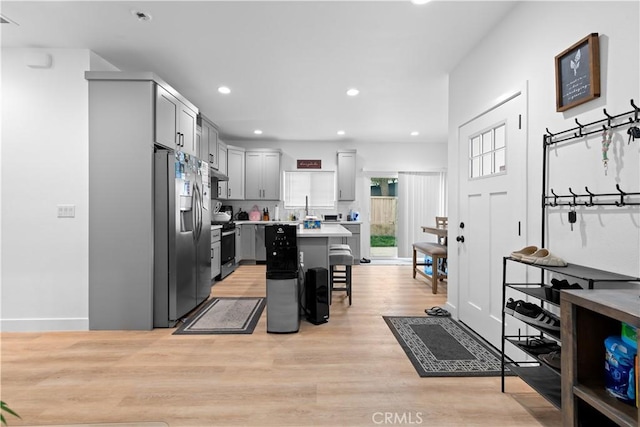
313 244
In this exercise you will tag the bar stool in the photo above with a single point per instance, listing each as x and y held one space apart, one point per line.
337 258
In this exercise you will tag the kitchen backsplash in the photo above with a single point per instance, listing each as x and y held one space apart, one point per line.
285 214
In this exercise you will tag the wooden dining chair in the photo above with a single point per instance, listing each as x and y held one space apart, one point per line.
442 222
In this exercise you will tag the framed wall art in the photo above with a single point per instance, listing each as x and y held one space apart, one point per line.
578 73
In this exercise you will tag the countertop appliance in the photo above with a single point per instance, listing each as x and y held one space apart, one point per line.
182 245
283 288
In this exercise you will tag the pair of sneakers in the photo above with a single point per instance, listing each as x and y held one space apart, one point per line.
532 314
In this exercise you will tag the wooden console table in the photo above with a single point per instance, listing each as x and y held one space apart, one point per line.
588 317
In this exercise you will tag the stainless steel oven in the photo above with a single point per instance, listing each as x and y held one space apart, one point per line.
227 249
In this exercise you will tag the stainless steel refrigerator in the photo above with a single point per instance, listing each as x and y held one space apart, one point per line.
182 237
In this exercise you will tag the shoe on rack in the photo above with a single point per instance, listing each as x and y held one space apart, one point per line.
528 250
536 315
544 257
510 306
552 293
540 345
564 284
553 359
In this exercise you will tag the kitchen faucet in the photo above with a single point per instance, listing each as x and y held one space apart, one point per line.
306 206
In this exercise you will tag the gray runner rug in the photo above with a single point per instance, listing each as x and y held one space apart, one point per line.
443 347
225 316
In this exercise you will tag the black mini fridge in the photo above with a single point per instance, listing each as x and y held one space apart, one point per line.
283 287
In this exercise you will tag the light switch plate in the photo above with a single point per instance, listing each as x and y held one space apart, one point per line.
66 211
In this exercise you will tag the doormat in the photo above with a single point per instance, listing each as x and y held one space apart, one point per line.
225 316
443 347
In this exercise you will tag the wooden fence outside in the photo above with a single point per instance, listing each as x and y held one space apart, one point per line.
384 211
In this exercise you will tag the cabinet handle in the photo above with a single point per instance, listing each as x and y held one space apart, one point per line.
219 190
229 192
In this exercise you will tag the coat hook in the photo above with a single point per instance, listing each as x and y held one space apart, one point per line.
574 197
580 127
636 110
609 118
590 202
622 194
555 198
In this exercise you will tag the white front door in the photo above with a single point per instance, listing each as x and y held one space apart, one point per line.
492 203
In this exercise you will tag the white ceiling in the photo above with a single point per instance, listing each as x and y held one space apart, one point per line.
287 63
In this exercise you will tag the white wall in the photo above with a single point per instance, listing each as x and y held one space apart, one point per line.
372 159
522 50
44 163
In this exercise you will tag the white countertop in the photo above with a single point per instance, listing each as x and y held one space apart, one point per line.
238 222
326 230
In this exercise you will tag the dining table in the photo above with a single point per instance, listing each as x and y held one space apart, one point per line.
441 232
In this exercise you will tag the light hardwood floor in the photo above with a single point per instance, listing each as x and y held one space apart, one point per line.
350 371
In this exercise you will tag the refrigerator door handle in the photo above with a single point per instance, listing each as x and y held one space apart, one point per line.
198 212
194 212
201 203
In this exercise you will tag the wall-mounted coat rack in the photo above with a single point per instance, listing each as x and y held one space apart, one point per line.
582 130
589 199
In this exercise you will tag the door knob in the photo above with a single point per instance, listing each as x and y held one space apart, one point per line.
462 225
460 239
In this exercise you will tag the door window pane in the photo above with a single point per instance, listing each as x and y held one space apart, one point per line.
500 160
487 152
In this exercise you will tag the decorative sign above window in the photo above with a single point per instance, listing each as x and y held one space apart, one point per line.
309 164
578 73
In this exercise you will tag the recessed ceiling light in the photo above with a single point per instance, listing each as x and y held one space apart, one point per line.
420 1
353 92
142 16
224 90
257 132
340 132
415 133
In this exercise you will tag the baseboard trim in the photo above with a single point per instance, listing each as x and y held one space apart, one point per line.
44 324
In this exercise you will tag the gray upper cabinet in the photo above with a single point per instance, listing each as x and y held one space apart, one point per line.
208 147
262 178
346 175
175 123
235 172
223 187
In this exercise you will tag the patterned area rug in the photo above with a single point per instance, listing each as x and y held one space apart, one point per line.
443 347
225 316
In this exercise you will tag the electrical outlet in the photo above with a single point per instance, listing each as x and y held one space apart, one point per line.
66 211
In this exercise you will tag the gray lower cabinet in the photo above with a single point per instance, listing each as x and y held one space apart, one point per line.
238 244
261 249
353 241
215 253
248 242
251 245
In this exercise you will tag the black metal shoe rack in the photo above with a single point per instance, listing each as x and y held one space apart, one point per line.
540 376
